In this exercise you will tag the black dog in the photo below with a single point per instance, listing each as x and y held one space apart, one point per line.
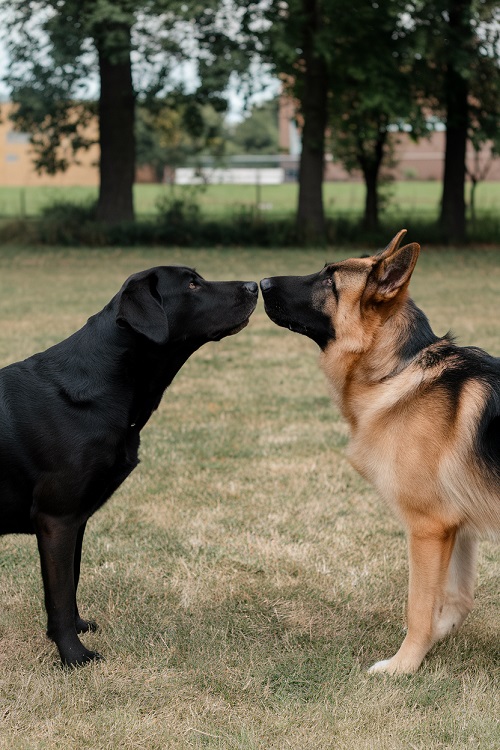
71 418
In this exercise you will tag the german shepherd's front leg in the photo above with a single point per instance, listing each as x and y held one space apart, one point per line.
430 554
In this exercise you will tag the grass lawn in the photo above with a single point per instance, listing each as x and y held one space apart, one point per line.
244 577
409 198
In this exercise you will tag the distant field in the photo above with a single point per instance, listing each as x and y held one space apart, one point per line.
244 577
410 197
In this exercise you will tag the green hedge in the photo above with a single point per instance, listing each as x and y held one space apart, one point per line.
181 223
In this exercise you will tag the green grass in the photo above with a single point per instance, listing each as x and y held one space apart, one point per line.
245 576
407 198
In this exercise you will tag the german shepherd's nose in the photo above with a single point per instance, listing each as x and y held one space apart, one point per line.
266 284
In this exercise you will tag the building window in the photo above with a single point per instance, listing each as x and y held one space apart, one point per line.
14 137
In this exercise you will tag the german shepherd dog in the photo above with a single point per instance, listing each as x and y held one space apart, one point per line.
424 417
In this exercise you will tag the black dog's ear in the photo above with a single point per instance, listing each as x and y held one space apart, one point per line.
140 306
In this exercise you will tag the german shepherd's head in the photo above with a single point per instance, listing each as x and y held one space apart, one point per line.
344 308
343 299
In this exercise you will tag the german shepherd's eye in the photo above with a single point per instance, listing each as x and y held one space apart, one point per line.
328 281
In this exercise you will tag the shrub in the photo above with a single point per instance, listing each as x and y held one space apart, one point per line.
180 222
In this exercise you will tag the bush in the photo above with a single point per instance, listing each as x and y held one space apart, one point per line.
180 222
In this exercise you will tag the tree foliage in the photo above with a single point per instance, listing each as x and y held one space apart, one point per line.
358 69
173 133
348 65
258 132
128 50
372 93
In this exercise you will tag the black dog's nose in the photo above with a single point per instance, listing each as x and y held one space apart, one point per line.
251 286
266 284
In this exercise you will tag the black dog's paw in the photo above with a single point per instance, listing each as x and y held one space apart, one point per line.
83 657
85 626
72 651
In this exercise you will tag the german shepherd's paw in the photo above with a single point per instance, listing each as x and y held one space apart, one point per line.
406 660
380 667
394 666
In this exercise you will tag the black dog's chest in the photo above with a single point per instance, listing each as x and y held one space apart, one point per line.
112 474
76 475
111 477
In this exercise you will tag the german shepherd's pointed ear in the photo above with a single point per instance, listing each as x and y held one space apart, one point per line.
140 307
392 246
393 268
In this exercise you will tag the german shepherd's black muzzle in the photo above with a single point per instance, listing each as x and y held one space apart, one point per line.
71 418
293 302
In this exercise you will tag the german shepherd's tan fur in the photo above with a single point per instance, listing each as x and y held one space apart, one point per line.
424 416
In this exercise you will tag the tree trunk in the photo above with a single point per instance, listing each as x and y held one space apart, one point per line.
116 132
370 218
310 211
473 186
370 166
452 217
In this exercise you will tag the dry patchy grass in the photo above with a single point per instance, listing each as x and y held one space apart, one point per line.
244 576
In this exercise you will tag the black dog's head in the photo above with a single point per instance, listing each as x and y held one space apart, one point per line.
174 304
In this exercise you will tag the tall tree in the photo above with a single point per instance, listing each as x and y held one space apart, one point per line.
116 112
371 91
130 48
346 64
458 40
459 78
312 82
298 43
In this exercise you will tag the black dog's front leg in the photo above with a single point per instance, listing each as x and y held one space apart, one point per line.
57 542
81 625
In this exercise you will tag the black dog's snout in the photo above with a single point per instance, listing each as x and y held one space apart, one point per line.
266 284
251 286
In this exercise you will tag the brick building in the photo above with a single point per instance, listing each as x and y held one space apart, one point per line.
16 165
420 161
423 160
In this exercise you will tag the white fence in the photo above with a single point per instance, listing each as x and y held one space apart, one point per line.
230 176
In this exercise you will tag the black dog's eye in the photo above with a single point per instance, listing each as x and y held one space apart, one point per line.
193 285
